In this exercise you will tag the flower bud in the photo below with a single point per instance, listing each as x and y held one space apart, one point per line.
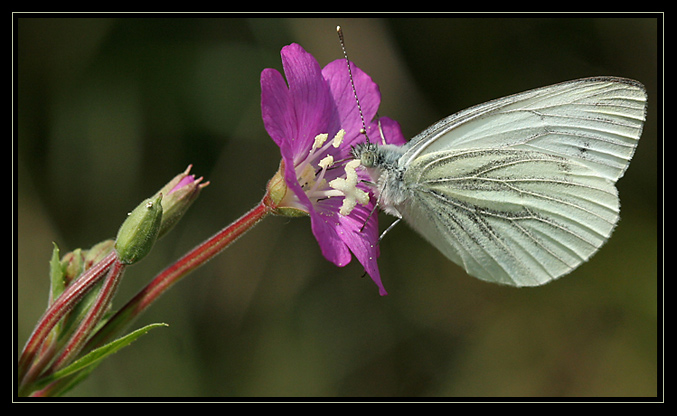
73 264
97 253
179 194
138 233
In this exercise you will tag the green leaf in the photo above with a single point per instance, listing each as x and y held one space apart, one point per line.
94 358
56 274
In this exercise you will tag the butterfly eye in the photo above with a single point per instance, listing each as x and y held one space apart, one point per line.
368 159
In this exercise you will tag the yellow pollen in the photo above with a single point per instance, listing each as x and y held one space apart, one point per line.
326 162
338 139
319 140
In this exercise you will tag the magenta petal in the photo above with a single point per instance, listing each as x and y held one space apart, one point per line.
339 235
338 78
276 106
311 101
325 223
363 242
327 235
361 239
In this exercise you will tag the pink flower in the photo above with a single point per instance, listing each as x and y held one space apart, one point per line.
315 121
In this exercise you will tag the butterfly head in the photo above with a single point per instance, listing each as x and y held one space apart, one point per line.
366 153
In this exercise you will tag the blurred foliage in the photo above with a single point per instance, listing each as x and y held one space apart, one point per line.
110 108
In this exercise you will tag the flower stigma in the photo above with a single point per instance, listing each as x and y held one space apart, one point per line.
348 187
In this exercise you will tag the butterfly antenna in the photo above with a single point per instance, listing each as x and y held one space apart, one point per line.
380 130
352 83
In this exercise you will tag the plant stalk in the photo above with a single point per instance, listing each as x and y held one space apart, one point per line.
64 303
172 274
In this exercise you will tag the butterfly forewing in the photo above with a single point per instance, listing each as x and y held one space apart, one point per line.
596 121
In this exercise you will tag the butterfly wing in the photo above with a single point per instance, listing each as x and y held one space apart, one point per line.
516 217
521 190
595 121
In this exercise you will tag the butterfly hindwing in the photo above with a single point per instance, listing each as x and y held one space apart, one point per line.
516 217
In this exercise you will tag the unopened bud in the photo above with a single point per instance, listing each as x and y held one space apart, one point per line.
139 231
179 194
73 264
98 252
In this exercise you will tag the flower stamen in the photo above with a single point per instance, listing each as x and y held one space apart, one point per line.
326 162
338 138
312 181
319 141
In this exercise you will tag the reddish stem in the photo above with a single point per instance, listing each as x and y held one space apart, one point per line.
64 303
94 315
172 274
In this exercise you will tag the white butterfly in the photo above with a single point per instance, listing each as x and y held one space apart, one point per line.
518 190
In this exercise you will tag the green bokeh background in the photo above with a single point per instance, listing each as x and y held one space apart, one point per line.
110 108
